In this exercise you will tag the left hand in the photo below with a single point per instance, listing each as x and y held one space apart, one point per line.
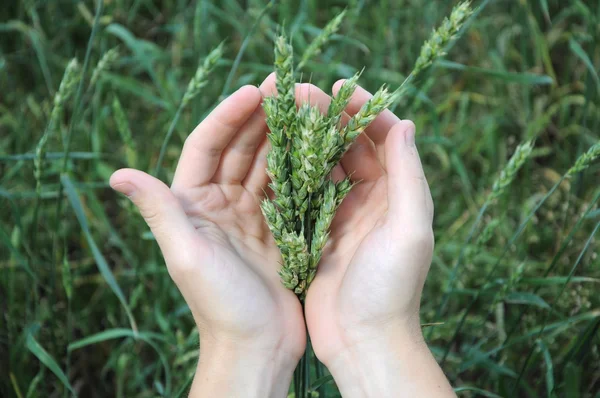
221 254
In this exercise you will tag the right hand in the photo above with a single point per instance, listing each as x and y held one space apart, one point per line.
362 309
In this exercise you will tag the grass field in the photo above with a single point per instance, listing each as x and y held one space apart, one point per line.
511 306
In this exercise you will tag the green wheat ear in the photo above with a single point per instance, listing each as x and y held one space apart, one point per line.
440 38
306 145
106 62
199 80
65 91
319 42
508 174
585 160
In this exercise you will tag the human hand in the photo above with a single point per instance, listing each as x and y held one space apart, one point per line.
362 309
221 255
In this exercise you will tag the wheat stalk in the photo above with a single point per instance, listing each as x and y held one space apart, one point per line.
65 91
194 86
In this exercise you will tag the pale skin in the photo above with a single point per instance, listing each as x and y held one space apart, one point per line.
362 308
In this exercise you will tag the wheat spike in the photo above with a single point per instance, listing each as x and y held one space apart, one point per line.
508 174
584 161
200 77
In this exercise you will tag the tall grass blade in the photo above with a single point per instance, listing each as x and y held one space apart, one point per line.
529 79
549 368
101 263
47 360
478 391
113 334
148 338
579 52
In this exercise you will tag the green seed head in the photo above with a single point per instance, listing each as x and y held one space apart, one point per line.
508 174
319 42
200 78
585 160
65 91
440 38
106 62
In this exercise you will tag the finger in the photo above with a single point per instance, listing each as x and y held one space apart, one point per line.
268 88
202 150
161 211
360 162
338 173
237 158
257 179
409 197
379 128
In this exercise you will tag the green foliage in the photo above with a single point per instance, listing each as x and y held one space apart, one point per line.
73 280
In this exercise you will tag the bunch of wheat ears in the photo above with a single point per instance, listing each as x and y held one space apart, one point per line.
306 145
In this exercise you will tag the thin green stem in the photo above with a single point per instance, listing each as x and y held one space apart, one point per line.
163 147
238 58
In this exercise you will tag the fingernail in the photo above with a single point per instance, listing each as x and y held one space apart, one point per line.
410 135
125 188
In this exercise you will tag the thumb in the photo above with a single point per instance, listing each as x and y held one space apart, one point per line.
409 198
161 210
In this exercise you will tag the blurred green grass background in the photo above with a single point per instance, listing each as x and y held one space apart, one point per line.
87 303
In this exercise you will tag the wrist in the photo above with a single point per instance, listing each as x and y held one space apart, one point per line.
235 369
391 361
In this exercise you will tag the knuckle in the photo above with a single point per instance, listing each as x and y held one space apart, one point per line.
151 216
